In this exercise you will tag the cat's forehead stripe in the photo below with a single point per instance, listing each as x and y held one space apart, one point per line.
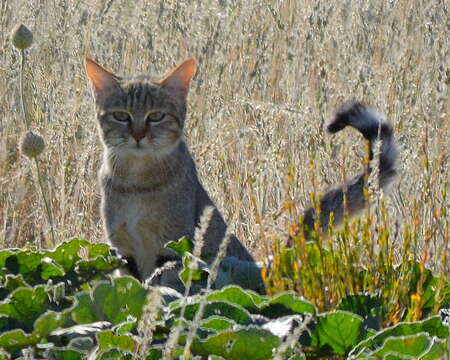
140 95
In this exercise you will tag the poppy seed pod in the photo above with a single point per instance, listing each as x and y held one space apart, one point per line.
21 37
32 145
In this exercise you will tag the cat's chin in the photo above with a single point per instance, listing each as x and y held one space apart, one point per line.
146 151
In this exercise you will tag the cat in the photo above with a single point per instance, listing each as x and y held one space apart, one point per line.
151 193
150 190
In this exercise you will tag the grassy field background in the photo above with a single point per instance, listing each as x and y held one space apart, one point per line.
270 75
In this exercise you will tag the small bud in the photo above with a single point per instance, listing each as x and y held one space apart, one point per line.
21 37
32 145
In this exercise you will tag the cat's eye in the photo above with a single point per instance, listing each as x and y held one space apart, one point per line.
155 116
121 116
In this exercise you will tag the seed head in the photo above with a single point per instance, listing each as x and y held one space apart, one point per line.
32 145
21 37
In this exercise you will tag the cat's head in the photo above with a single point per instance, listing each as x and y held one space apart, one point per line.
140 115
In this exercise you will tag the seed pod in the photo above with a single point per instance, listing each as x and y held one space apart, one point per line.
21 37
32 145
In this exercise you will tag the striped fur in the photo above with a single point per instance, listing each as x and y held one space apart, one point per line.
373 126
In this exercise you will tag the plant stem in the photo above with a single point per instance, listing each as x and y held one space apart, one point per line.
46 204
22 98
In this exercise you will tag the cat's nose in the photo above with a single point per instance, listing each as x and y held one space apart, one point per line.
138 136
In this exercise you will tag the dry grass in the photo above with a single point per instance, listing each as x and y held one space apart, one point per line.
270 75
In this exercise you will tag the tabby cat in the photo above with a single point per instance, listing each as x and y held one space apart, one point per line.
151 193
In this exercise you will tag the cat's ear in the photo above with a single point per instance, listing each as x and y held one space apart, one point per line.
177 80
101 79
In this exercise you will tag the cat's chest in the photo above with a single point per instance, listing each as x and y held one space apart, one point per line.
142 220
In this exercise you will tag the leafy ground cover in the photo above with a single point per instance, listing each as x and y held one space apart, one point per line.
62 304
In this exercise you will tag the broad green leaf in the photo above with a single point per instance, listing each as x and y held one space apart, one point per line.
438 351
182 246
100 264
64 354
193 269
26 305
419 346
50 321
73 262
234 294
113 302
68 253
16 339
369 307
37 328
339 331
217 323
126 327
113 354
10 283
247 343
410 345
217 308
85 310
4 254
35 267
286 303
433 326
154 354
107 340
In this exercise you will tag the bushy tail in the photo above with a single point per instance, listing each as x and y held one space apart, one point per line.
372 125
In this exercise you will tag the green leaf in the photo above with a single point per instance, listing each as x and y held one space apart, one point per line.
217 308
234 294
25 305
410 345
182 246
433 326
438 351
193 269
50 321
107 340
419 346
64 354
113 302
73 262
369 307
339 331
85 311
50 269
247 343
286 303
4 254
16 339
113 354
217 323
35 267
126 327
154 354
10 283
68 253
